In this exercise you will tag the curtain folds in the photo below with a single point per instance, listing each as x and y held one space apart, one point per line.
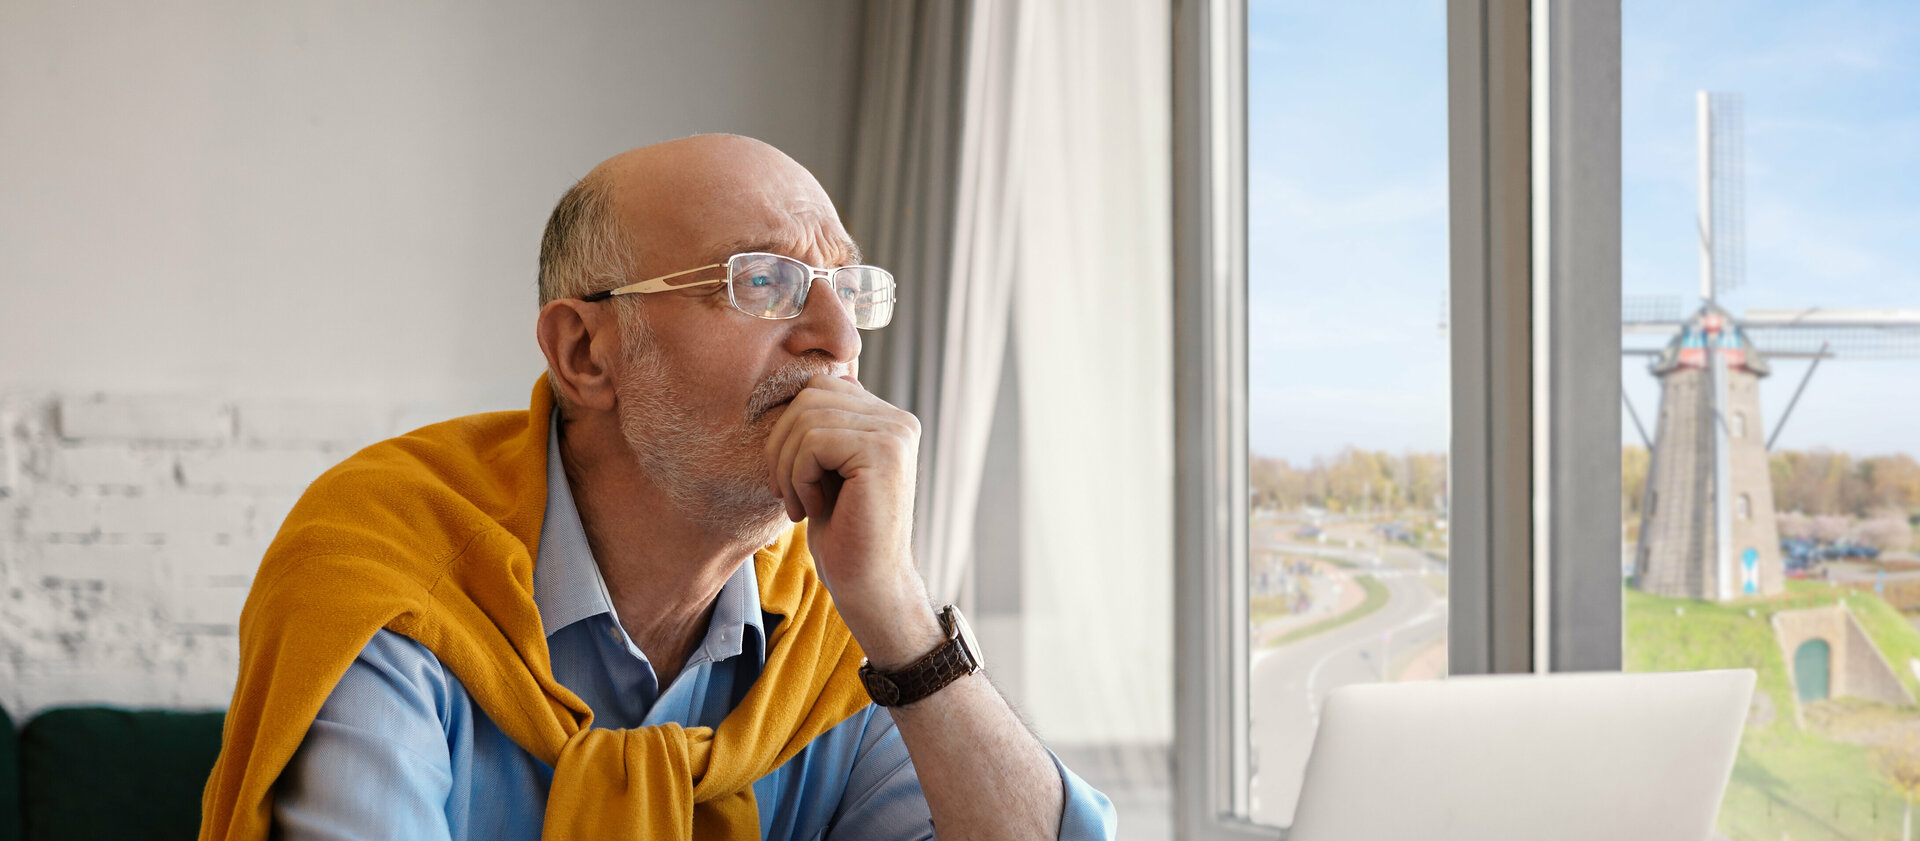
933 194
1014 164
1092 318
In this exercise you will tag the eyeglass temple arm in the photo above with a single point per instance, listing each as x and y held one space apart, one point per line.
657 284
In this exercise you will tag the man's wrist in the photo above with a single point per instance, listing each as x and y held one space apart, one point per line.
893 642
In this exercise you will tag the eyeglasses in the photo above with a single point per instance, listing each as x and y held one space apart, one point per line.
772 286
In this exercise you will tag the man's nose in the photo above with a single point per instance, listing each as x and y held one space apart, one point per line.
825 323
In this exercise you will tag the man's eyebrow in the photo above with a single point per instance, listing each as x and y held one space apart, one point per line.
846 249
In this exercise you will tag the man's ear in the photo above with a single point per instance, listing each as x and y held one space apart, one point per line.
580 341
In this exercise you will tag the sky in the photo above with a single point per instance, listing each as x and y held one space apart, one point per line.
1347 206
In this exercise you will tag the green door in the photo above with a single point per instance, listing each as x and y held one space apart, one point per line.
1811 668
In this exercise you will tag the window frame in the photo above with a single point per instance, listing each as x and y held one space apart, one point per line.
1534 474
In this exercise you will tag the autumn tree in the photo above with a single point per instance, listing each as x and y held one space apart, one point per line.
1352 480
1888 532
1634 464
1900 762
1794 525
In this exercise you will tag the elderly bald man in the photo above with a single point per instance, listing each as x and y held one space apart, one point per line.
675 598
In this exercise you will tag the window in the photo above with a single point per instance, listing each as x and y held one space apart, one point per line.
1346 367
1529 514
1770 129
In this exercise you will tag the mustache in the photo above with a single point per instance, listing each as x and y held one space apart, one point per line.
784 384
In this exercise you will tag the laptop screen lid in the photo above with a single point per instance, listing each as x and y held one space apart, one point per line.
1572 757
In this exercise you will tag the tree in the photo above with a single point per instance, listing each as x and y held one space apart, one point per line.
1888 532
1355 479
1900 762
1634 464
1830 528
1826 482
1795 525
1892 481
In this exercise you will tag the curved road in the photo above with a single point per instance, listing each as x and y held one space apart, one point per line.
1291 682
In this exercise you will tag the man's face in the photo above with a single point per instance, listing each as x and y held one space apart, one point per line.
703 382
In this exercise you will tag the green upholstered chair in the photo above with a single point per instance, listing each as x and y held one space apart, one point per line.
9 779
93 773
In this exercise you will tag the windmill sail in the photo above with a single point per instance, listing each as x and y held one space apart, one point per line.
1725 171
1856 334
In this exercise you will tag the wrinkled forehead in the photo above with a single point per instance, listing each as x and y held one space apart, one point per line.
692 206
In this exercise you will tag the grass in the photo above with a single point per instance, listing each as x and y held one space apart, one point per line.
1787 782
1376 598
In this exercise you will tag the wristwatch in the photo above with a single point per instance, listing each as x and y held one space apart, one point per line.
952 660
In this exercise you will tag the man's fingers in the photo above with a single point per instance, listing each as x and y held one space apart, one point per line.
822 453
843 396
846 384
794 445
831 428
821 398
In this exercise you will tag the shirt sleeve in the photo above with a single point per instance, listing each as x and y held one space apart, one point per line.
376 763
883 799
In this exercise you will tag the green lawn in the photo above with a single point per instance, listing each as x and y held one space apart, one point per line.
1787 783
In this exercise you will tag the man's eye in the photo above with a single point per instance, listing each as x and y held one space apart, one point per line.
848 293
760 280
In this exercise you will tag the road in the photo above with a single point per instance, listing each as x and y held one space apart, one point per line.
1291 682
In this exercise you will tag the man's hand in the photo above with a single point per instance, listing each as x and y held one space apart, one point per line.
844 460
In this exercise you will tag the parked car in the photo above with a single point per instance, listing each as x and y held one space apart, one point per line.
1800 552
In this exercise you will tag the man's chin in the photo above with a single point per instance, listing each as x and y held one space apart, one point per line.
753 517
769 529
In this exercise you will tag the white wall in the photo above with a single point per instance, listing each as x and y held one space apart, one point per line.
236 242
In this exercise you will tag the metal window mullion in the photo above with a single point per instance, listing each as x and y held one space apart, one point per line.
1490 610
1541 180
1580 552
1210 387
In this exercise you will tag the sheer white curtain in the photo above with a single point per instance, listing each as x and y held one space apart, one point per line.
1015 162
1092 319
1056 230
935 176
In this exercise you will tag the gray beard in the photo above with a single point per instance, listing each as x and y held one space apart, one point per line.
715 476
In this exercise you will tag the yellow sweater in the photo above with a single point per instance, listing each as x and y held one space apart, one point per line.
433 535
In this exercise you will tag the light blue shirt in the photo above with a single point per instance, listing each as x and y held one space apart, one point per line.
400 751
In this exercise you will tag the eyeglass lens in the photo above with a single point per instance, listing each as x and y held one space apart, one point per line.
771 286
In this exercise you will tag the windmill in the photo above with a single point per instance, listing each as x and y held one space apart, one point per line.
1707 528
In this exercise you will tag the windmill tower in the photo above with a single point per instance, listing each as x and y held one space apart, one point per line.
1708 528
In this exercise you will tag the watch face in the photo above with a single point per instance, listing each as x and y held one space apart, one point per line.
965 633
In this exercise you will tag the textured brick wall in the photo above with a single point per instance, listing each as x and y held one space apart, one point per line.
1676 537
130 529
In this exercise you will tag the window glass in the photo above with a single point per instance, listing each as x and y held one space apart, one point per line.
1771 184
1347 368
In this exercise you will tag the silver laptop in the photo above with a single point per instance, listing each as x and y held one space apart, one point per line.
1569 757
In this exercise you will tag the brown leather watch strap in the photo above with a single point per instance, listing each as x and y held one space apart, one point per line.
946 663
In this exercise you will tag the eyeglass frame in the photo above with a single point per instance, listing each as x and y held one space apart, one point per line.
659 284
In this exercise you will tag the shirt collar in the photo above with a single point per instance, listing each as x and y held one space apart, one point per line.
568 587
